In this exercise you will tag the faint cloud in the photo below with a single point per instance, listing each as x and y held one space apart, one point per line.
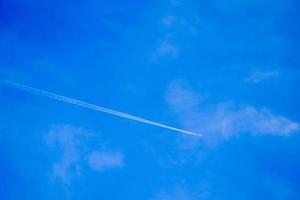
68 140
103 160
224 120
247 119
259 76
70 144
166 48
177 96
168 20
175 194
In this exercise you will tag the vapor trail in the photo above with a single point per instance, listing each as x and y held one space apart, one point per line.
90 106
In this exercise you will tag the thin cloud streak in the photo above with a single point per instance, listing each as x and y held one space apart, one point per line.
260 76
90 106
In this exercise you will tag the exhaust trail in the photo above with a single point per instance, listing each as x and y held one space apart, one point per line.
91 106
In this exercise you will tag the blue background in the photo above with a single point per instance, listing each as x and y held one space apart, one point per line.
137 57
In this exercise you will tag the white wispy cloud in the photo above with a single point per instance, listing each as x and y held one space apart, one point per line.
180 98
67 139
235 119
174 26
166 48
225 119
104 160
259 76
70 142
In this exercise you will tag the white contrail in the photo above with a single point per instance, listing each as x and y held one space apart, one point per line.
90 106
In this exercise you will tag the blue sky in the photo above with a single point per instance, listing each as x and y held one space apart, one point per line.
228 69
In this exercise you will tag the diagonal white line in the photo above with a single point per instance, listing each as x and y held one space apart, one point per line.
90 106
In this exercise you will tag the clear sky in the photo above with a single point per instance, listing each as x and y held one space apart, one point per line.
226 68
